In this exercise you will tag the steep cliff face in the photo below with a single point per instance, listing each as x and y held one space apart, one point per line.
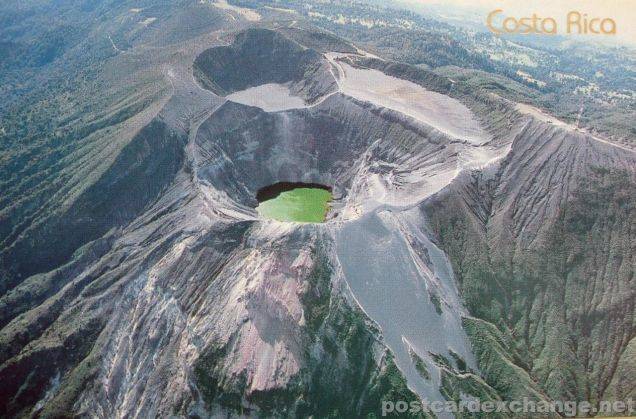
468 254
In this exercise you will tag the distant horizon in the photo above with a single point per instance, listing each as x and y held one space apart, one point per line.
623 12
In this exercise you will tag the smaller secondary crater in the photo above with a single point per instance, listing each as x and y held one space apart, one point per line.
294 202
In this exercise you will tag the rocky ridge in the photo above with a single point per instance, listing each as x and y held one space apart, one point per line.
182 302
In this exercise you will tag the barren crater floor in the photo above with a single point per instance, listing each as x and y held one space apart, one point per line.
270 97
439 111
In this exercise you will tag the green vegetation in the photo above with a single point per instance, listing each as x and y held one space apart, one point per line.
305 205
420 365
214 386
436 302
537 321
345 372
317 299
347 380
455 387
459 361
623 385
493 351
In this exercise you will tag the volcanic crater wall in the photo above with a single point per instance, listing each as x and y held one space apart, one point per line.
334 143
260 56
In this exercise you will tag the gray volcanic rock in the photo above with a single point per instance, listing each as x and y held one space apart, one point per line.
447 268
259 56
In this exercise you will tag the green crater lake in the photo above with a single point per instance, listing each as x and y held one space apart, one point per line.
303 205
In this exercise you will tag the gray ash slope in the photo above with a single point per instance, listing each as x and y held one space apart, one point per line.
155 290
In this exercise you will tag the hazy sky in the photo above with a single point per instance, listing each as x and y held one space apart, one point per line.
623 12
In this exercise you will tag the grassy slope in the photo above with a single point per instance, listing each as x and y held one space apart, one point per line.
543 315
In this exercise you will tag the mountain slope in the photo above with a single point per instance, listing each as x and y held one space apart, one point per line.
465 255
543 249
